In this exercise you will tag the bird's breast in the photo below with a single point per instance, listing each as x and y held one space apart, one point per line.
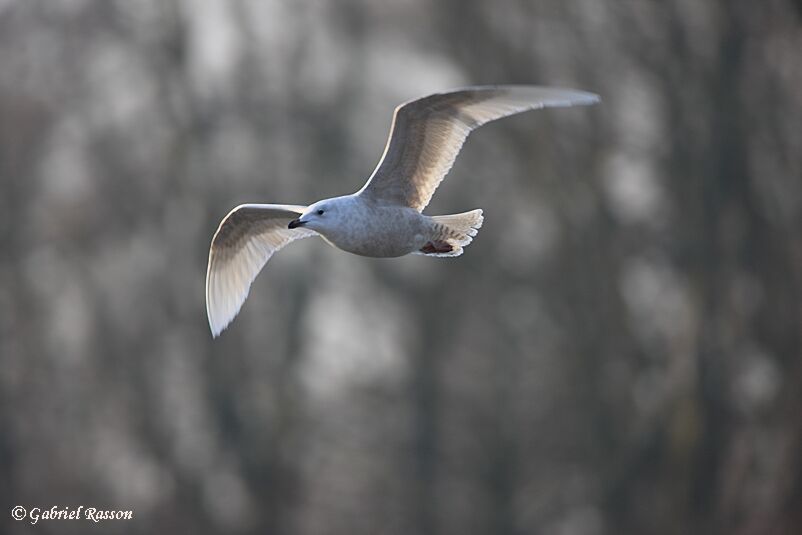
380 232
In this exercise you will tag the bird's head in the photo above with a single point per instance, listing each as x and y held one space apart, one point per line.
322 216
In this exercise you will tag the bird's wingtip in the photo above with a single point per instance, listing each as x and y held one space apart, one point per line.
217 328
586 98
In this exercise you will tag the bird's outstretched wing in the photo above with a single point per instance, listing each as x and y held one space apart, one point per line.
427 134
245 240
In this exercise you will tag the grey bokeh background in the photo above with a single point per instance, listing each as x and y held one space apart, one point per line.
617 352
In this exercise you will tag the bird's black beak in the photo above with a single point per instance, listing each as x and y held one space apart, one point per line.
295 223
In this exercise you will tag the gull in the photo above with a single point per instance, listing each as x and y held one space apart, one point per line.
384 218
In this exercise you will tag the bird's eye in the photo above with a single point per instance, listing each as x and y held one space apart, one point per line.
320 212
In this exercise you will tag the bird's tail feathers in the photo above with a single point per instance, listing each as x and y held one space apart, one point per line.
452 233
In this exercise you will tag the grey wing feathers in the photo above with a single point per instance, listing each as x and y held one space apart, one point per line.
427 134
245 240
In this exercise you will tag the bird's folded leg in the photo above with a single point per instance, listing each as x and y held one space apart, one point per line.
436 246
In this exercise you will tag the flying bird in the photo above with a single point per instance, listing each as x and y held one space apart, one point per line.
384 218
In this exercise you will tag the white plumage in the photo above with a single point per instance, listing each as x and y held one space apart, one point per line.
384 218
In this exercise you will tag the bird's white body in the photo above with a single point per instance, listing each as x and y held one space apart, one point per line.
350 223
384 218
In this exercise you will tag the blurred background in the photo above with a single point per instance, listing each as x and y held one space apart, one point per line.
617 352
